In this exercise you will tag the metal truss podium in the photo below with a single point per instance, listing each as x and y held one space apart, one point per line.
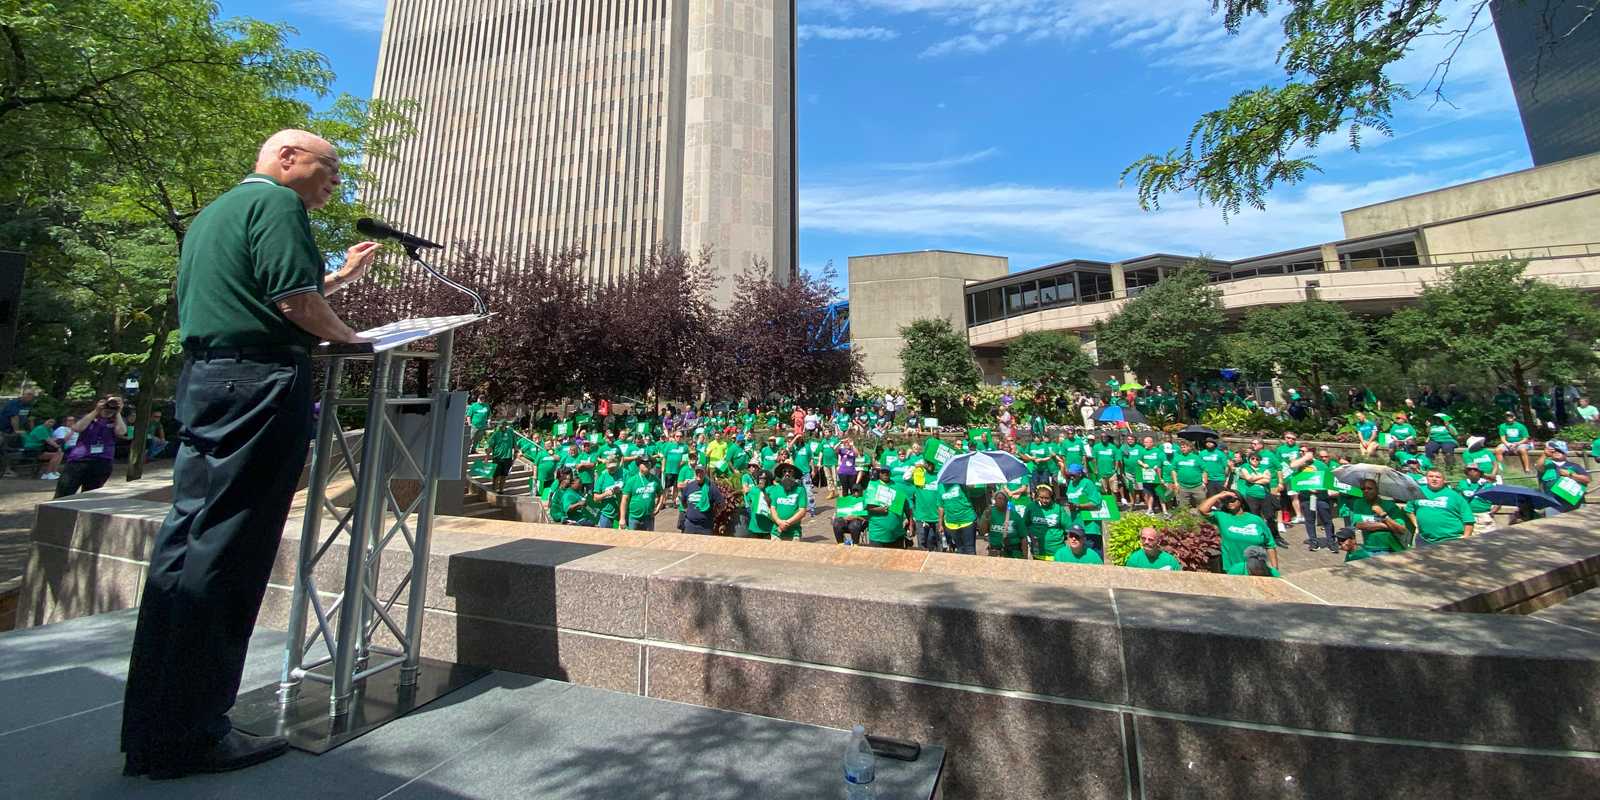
360 665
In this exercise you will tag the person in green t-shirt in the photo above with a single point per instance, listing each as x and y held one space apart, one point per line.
644 498
830 464
1384 527
1482 510
1005 526
558 492
925 513
478 421
1441 439
1082 499
788 501
1150 555
886 506
608 492
1514 440
1559 475
850 517
1402 436
1480 456
1047 522
1188 477
1256 481
1214 461
545 462
1238 528
1282 455
1077 549
1442 513
1105 457
503 452
577 505
762 522
1255 562
956 517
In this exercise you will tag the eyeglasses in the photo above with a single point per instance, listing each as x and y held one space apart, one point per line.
331 163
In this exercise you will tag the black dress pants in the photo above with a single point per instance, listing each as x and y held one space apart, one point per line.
245 425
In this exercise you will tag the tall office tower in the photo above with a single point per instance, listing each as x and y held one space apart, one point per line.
614 124
1552 50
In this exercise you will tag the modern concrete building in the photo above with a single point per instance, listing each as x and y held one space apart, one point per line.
888 292
1552 50
614 124
1549 215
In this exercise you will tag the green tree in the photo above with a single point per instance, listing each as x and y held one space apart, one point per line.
1338 57
1492 318
166 115
1313 342
937 362
1048 363
1173 326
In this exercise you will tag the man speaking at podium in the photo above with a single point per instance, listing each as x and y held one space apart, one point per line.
251 288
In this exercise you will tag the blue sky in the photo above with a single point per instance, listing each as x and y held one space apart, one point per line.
1001 126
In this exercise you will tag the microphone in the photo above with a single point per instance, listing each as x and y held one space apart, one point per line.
377 229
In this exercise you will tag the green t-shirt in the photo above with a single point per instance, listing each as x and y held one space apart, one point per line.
672 457
1485 459
1441 432
247 250
610 506
1188 470
1082 491
1469 490
478 415
1255 490
1105 459
1070 450
1164 561
1286 453
1048 526
1402 431
1215 463
35 439
802 459
503 444
1241 531
786 503
1041 456
760 520
1441 515
830 453
1513 432
584 513
1065 556
642 490
957 506
888 526
925 503
1007 524
546 462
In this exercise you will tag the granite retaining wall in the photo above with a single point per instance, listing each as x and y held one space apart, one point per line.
1043 680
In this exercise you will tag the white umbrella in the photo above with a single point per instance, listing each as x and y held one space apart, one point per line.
987 468
1392 484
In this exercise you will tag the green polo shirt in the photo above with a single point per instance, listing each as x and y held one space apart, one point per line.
247 250
1441 515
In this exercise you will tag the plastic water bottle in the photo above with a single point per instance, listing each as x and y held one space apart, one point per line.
858 767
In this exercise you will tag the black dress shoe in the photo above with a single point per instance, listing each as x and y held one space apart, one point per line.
234 751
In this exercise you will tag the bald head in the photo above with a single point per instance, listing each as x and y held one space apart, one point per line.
302 161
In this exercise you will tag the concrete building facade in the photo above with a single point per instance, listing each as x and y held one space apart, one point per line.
1552 52
1549 215
888 292
610 124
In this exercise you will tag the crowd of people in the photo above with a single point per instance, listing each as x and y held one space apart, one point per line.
713 469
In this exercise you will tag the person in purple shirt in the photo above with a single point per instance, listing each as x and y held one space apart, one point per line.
847 466
89 461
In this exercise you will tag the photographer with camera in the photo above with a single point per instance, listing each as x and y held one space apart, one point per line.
89 460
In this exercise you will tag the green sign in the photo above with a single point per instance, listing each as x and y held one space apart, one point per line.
938 452
643 429
563 429
1569 490
1312 481
1107 512
852 507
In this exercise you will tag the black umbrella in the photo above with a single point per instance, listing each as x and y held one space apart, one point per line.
1197 433
1120 414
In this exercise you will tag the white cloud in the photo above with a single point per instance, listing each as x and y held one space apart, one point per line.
969 43
943 163
1092 222
843 34
357 15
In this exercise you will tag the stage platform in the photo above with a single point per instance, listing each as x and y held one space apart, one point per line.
503 736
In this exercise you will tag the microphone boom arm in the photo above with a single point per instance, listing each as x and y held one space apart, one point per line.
411 251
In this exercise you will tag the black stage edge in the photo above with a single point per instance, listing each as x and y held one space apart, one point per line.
376 702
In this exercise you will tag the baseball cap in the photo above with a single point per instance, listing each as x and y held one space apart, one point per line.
1345 534
1556 444
1075 530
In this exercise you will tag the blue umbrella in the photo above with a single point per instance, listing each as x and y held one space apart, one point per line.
1508 494
987 468
1120 414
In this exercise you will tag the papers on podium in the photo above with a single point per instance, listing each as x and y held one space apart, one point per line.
399 334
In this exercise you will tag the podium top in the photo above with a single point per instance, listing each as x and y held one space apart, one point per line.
398 334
